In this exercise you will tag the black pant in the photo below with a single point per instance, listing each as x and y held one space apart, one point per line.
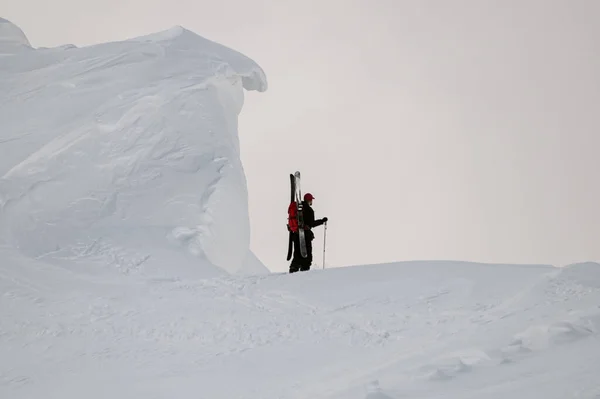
298 262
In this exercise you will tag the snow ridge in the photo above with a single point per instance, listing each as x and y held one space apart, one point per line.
12 38
127 154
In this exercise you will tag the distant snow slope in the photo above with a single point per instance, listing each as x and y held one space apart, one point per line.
126 154
406 330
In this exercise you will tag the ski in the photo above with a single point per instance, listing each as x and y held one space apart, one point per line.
298 194
291 235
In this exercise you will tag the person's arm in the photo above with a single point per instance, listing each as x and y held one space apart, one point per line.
309 218
318 222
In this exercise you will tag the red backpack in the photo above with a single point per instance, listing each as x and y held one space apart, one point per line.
292 220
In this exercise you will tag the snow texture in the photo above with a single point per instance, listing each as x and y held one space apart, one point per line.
124 233
404 330
126 154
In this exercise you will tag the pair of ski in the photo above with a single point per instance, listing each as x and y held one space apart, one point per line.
296 196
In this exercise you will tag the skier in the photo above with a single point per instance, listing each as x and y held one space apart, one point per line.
298 262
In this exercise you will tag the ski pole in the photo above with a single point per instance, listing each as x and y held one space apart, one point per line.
324 242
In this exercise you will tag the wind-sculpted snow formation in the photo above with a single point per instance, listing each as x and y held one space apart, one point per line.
126 154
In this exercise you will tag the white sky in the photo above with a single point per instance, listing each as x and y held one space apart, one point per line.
426 129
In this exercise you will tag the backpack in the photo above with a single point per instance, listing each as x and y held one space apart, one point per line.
292 217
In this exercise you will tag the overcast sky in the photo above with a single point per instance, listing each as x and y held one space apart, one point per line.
465 130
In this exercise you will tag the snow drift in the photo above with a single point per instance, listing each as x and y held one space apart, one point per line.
126 153
12 38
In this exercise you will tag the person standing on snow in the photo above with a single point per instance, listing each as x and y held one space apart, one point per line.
298 262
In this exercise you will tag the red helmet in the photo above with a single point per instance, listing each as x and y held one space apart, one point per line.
308 197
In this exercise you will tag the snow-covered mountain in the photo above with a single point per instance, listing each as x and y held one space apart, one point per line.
124 231
126 154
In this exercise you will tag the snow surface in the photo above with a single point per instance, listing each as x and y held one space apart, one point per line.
405 330
127 154
123 231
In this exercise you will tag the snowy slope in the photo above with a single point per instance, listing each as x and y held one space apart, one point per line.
126 154
407 330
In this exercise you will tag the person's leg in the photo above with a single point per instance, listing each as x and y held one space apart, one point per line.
297 258
306 262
